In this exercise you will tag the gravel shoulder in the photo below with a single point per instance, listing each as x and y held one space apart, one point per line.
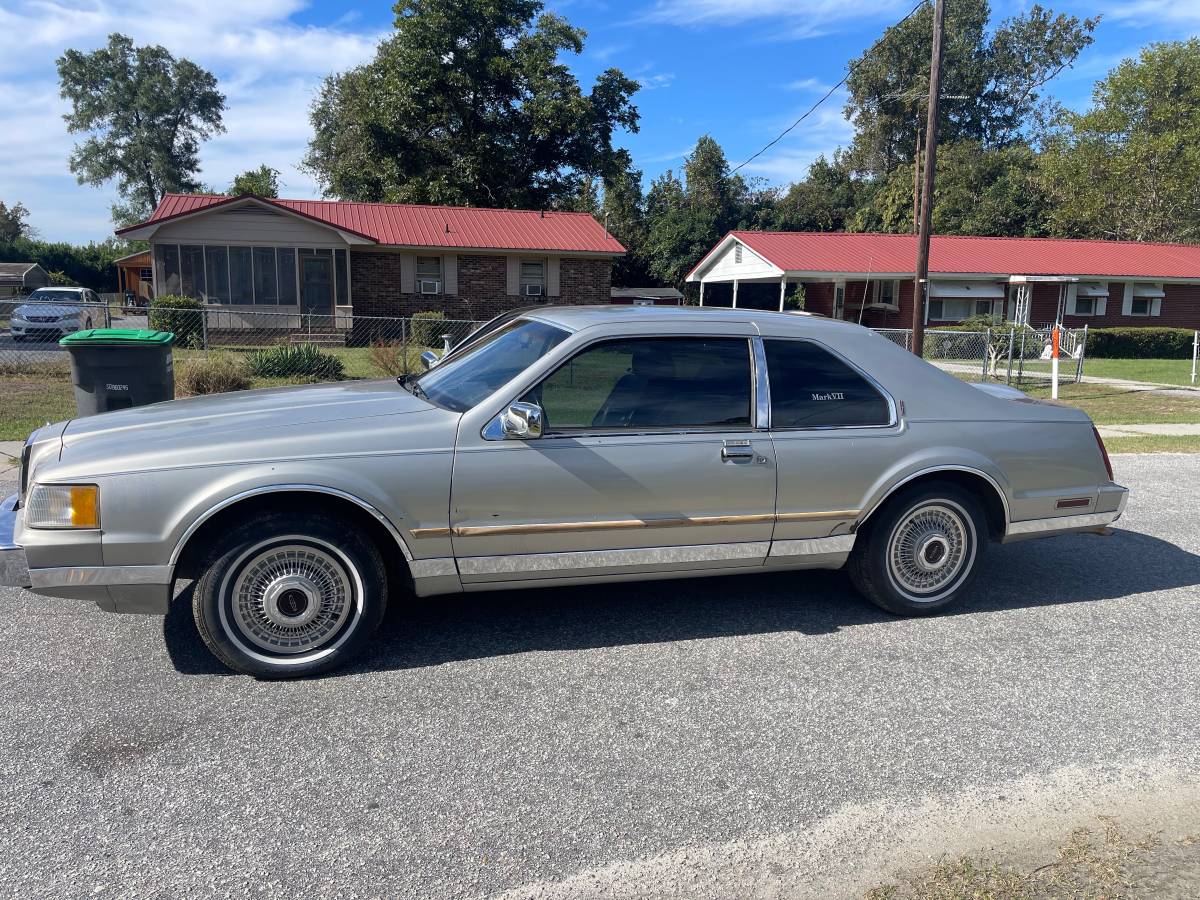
769 735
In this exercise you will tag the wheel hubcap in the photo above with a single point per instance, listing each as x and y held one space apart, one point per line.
291 599
929 549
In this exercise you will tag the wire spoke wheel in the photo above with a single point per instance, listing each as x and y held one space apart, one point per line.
290 598
930 549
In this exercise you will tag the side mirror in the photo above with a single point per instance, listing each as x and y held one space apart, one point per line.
429 359
521 422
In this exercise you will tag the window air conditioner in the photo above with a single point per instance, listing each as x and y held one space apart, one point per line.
533 290
429 286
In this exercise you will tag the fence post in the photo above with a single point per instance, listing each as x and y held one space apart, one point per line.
1082 354
204 329
1021 358
1195 350
1012 336
987 352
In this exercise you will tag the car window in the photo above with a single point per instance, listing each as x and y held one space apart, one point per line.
810 387
650 383
41 295
464 379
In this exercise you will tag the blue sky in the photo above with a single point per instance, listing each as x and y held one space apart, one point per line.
740 70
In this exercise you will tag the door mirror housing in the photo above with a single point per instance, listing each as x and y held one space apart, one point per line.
521 422
429 359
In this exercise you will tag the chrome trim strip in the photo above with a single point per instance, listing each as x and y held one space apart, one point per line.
762 384
1061 523
597 559
432 568
69 576
14 566
625 524
842 543
284 488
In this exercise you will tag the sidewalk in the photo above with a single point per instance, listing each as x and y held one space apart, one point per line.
10 455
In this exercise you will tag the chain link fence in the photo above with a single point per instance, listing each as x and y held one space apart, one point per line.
275 346
1004 353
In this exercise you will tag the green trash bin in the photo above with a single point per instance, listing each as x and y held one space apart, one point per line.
118 368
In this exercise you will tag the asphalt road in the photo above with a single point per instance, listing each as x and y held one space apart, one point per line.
764 736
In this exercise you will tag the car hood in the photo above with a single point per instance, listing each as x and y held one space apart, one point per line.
310 420
45 309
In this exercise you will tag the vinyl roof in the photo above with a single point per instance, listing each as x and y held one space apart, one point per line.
404 225
839 252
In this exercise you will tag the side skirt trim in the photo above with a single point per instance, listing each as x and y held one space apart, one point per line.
598 559
1060 523
842 543
99 575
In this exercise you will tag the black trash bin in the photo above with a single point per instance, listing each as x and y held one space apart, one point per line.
116 368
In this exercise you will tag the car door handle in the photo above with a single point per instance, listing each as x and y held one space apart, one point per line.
737 451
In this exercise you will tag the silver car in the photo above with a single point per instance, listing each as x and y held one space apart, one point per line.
556 447
53 312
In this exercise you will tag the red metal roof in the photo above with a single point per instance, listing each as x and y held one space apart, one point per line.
896 253
428 226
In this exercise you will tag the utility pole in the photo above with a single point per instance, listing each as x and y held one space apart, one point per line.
921 280
917 181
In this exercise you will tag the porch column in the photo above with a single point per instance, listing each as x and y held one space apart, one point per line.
735 285
782 291
701 292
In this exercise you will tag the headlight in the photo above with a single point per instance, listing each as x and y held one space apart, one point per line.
63 506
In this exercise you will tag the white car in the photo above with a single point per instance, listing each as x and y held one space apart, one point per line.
50 313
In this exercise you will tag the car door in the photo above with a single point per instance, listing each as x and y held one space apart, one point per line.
649 461
835 431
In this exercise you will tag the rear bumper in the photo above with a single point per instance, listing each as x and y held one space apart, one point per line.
1110 504
133 589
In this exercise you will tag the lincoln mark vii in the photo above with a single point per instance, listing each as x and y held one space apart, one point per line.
556 446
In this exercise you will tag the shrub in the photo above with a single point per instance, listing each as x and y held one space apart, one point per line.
295 361
427 328
1140 343
213 374
388 358
182 316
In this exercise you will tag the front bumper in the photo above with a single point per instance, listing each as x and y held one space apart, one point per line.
14 567
133 589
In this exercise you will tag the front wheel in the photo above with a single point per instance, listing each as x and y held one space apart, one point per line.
920 552
287 596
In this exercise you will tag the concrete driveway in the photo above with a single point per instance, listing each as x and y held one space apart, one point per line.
767 736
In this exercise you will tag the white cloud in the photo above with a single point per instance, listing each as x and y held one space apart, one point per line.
1155 12
808 85
651 82
267 65
787 18
821 133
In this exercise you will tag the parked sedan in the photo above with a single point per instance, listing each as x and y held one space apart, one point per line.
50 313
562 446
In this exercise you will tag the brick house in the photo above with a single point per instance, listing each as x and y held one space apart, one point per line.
353 260
868 278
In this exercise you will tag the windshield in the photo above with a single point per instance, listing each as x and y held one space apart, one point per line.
45 296
462 381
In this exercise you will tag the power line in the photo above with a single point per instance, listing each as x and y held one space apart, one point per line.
829 93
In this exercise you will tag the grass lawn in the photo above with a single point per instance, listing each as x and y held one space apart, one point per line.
1115 406
1154 443
30 401
1157 371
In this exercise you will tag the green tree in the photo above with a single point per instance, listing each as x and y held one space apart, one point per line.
1129 167
13 222
990 80
995 192
685 217
468 102
146 113
262 182
90 265
824 201
623 212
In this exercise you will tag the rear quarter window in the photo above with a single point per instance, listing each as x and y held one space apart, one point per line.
812 388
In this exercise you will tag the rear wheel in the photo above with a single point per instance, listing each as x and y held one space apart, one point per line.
286 596
920 552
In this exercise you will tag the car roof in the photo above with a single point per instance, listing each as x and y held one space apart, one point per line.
60 287
574 318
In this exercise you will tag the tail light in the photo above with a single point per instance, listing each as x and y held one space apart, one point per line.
1103 453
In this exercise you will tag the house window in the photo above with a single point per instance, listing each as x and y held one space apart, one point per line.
1085 306
950 310
429 274
885 293
533 277
1140 306
146 274
266 279
191 266
241 276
